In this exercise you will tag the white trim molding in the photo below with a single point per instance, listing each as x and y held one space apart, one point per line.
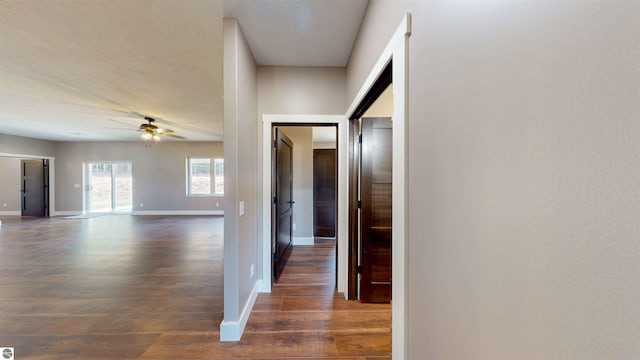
343 188
397 49
67 213
178 212
232 330
303 240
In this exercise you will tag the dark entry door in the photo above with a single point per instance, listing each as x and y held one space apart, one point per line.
375 192
35 188
283 202
324 192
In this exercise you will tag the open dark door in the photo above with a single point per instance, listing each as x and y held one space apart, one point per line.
283 201
376 211
35 187
324 192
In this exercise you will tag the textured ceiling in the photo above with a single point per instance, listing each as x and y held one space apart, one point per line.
74 70
67 68
299 32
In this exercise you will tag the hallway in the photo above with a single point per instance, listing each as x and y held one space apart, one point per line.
127 287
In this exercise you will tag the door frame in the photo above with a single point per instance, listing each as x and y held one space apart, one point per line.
52 179
397 49
268 121
43 165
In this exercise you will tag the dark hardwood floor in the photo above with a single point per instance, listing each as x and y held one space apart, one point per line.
125 287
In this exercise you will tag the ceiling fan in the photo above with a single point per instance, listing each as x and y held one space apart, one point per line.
151 131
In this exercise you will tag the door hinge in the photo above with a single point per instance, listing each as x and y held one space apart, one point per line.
275 200
275 143
360 138
359 269
359 204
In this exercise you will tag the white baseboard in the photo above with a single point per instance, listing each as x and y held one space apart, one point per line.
178 212
10 213
232 330
305 240
265 286
67 213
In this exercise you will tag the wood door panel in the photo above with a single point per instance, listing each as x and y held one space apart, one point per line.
376 212
324 192
284 203
381 205
33 189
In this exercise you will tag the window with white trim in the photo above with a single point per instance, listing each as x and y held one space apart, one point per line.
205 176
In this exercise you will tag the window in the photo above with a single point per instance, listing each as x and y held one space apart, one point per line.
205 176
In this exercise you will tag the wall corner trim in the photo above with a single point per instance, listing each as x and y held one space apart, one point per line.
232 330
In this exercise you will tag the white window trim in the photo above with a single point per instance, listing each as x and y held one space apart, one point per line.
212 176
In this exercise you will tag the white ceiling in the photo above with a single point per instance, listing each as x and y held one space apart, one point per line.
299 32
87 70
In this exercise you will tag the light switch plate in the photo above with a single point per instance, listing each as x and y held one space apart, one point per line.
241 208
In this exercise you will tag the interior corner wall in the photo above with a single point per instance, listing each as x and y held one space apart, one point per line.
241 246
302 139
523 176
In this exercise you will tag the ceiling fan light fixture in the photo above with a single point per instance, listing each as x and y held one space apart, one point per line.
156 137
146 136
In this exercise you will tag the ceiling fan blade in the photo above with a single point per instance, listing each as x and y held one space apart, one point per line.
172 136
164 131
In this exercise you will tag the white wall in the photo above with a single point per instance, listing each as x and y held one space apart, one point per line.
159 171
301 90
17 145
324 145
158 168
523 176
10 179
301 136
241 246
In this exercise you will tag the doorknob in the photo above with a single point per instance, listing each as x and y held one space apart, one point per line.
291 202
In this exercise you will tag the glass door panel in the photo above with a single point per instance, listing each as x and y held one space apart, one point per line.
122 194
109 187
100 188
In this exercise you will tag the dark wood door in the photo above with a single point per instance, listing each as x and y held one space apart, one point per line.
324 192
283 202
35 184
375 192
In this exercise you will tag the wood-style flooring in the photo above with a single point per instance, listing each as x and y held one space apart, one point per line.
126 287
